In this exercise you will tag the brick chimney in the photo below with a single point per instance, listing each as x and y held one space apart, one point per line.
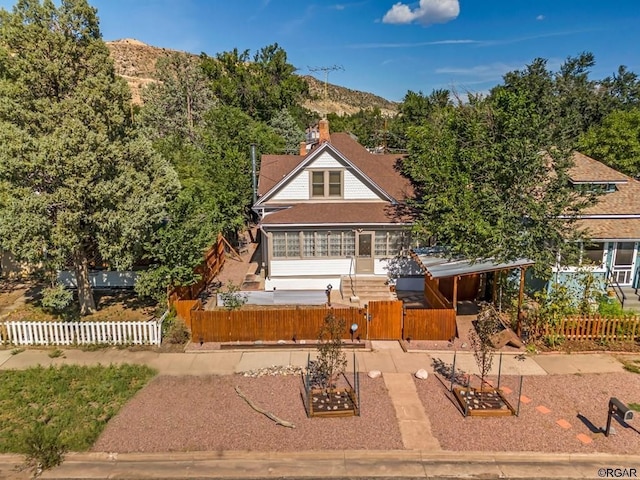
324 136
303 149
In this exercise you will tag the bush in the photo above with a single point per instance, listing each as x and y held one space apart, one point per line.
610 307
56 299
233 298
43 447
174 330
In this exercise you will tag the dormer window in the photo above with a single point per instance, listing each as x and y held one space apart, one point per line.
326 184
593 187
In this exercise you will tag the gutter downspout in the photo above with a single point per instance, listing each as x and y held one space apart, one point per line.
253 173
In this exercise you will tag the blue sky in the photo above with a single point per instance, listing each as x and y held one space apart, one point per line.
388 47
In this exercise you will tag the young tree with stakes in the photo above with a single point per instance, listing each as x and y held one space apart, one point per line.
483 349
332 360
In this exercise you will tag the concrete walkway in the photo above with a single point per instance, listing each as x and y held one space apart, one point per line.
413 422
383 356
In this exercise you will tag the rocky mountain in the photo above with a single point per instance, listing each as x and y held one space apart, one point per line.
135 61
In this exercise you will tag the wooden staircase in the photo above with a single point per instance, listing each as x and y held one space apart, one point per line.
365 288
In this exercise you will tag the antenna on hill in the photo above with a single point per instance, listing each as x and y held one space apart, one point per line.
326 71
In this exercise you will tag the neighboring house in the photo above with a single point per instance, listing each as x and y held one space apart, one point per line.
612 224
334 211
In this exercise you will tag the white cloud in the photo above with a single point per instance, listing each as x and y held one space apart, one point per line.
415 44
540 17
427 12
479 73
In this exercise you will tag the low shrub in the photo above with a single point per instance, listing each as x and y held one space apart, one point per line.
610 307
43 446
56 299
175 331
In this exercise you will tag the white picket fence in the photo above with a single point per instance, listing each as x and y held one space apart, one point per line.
83 333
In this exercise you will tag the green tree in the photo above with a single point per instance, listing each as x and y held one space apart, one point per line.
177 102
484 187
616 142
285 125
568 99
622 89
261 87
226 139
81 184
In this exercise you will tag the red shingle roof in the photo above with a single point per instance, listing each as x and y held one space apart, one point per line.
274 168
334 213
381 169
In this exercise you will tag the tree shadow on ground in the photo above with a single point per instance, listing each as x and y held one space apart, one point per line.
459 377
127 298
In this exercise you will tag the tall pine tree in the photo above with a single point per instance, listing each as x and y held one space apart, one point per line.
80 184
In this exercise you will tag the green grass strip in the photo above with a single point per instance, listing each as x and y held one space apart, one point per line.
73 402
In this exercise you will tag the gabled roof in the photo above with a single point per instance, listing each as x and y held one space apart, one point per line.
273 168
380 170
589 170
625 200
383 169
616 214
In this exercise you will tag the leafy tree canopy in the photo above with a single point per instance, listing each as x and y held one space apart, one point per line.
176 104
261 87
80 184
286 127
485 187
616 142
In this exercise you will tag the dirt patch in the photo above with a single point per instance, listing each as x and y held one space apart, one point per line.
573 346
205 413
113 305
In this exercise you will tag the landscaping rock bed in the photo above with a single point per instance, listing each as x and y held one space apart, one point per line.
205 413
580 400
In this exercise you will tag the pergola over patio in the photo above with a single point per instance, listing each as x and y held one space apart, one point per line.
459 278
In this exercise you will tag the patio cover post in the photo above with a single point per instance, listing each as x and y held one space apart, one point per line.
455 294
523 269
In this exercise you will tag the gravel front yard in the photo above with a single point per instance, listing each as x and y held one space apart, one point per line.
206 413
581 400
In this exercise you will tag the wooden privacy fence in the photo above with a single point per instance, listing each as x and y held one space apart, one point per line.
596 328
208 269
269 325
185 307
82 333
385 320
429 324
379 321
